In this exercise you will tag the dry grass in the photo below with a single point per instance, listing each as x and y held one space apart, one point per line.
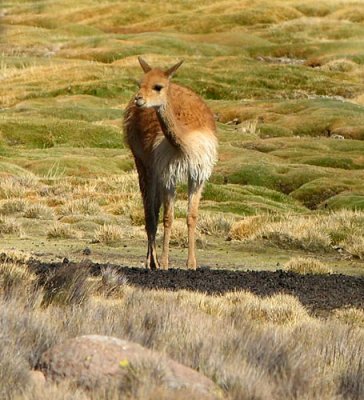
248 228
355 246
83 206
10 226
62 231
13 206
306 265
110 235
270 347
14 278
14 256
179 234
216 224
350 316
316 232
11 187
39 211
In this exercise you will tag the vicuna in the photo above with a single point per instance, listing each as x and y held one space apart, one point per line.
171 133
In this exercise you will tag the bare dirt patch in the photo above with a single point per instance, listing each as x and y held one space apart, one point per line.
319 293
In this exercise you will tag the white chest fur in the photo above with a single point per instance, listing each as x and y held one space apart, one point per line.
196 162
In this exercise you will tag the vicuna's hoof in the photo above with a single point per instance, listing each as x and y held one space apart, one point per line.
152 264
164 264
191 264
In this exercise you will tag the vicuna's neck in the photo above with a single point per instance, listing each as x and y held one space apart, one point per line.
171 127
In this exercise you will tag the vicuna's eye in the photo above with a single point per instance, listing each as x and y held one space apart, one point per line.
158 88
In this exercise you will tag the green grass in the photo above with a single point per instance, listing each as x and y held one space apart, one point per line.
290 71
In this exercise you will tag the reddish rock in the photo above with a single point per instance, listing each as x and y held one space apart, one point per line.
92 361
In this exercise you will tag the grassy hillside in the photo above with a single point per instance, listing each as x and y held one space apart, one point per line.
284 78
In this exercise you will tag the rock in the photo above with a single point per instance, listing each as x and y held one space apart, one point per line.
93 361
86 251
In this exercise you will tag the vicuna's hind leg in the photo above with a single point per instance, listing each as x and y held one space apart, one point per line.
151 202
194 196
168 208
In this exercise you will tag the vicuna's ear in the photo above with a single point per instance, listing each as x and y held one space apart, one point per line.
145 66
171 71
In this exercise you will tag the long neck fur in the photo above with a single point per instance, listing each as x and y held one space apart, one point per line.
171 127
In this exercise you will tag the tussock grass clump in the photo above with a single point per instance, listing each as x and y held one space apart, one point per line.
340 65
279 309
80 206
14 256
136 215
216 224
14 278
68 285
39 211
297 232
307 265
10 188
179 234
248 228
316 232
350 316
113 283
27 331
9 226
355 246
62 231
109 234
13 206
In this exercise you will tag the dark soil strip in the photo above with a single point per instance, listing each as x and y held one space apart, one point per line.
316 292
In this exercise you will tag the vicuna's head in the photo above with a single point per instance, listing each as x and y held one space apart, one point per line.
154 86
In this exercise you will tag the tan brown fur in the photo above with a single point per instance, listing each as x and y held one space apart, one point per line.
171 133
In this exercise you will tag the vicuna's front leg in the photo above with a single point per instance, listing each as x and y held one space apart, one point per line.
151 211
168 207
194 196
151 203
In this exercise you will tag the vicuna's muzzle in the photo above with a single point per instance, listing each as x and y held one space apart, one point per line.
139 101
